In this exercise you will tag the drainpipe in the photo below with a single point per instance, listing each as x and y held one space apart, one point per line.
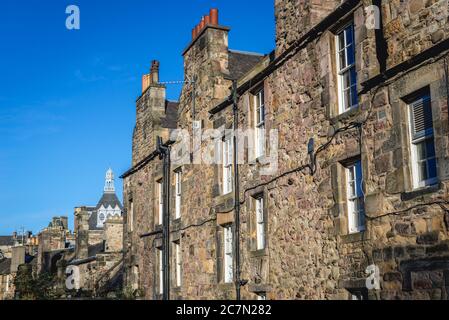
164 152
238 282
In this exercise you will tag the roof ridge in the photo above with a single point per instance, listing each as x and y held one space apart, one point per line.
247 52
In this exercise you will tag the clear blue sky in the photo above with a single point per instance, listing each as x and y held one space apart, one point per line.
67 98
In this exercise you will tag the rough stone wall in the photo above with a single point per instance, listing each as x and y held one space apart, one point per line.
7 282
139 189
207 59
413 26
295 17
50 239
113 235
310 253
409 247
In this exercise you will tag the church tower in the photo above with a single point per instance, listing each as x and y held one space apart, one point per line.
108 206
109 182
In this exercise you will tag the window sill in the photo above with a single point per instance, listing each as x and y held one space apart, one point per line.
259 253
354 237
406 196
345 115
176 290
226 286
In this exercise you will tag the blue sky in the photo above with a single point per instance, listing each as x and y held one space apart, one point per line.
67 98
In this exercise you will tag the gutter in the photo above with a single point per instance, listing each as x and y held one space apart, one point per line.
145 161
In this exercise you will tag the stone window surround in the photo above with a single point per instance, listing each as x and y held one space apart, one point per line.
175 241
333 106
158 249
158 181
173 203
340 209
252 246
399 91
251 122
226 222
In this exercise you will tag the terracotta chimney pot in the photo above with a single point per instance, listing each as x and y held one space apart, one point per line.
214 16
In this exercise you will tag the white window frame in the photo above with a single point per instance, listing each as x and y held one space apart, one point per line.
347 69
259 123
131 217
260 223
228 248
7 282
178 264
355 198
227 164
161 270
414 142
178 193
160 199
262 296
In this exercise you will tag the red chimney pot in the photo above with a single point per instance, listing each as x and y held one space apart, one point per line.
202 23
214 16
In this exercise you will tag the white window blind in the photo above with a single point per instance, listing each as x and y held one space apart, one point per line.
228 255
178 264
355 199
160 188
227 165
161 270
260 223
178 191
259 121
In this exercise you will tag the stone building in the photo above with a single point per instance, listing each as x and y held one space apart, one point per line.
25 239
94 248
9 267
344 178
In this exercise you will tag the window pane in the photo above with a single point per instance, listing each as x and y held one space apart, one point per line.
342 56
421 151
359 178
341 40
430 148
422 167
432 167
349 34
351 54
346 80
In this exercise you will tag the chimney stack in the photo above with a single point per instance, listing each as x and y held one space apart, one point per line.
153 76
154 72
211 19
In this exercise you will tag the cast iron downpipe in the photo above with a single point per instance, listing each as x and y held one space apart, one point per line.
238 282
164 154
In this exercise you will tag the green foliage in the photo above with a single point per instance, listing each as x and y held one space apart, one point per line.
29 287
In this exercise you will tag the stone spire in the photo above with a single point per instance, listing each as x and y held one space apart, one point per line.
109 182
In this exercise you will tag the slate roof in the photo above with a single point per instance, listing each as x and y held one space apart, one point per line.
109 199
6 241
240 63
171 115
5 266
93 221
